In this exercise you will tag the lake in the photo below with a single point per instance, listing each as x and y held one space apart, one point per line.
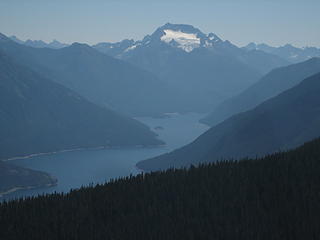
83 167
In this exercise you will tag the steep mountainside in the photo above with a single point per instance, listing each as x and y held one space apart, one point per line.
268 86
38 115
280 123
101 79
276 197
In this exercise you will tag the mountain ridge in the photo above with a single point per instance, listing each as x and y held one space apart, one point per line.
280 123
202 69
54 44
270 85
289 52
208 41
38 115
102 79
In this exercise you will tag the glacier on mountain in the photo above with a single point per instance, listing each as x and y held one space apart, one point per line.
186 41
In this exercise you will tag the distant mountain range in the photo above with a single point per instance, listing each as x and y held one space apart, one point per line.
38 116
55 96
280 123
187 39
39 43
178 68
272 84
100 78
203 69
288 52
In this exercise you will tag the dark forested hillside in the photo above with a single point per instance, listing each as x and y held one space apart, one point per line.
276 197
280 123
270 85
38 115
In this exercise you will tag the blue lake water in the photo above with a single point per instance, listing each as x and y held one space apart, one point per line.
83 167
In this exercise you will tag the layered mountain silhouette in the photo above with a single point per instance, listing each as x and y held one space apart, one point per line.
55 44
203 68
188 38
38 115
288 52
280 123
268 86
176 69
101 79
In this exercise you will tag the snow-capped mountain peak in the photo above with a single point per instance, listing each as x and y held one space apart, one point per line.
185 41
185 37
179 36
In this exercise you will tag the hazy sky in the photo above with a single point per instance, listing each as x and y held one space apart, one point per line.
274 22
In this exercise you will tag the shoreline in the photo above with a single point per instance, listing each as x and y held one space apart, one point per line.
79 149
16 189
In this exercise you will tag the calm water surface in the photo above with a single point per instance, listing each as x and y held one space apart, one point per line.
84 167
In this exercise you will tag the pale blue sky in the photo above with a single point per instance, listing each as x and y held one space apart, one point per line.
275 22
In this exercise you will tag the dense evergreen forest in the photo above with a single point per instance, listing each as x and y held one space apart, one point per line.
276 197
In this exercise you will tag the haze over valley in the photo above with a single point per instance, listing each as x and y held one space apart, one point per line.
157 126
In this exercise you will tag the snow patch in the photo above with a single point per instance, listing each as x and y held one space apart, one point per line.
131 48
186 41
